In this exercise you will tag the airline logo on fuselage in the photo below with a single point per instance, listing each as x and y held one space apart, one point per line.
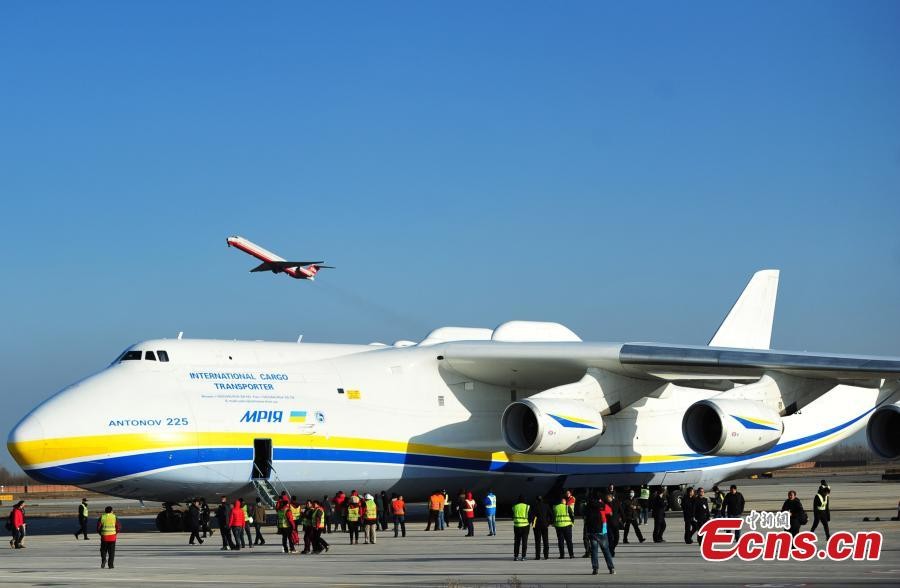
262 416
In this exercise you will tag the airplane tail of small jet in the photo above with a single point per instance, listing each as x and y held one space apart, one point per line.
749 323
315 267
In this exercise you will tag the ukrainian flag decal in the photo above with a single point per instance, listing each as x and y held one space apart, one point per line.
573 422
754 423
298 416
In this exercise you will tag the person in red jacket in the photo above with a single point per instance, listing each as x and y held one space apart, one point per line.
468 508
236 524
340 514
17 525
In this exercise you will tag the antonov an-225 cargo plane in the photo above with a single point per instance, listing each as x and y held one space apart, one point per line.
523 408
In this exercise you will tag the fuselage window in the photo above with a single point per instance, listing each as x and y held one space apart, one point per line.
163 355
131 355
150 356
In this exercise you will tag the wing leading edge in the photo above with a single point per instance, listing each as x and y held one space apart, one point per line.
543 365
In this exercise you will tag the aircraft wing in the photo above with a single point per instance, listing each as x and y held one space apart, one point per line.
268 266
545 365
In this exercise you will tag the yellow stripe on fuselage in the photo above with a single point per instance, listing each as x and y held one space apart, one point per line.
806 446
67 449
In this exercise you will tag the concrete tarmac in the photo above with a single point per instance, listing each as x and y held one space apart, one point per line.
448 559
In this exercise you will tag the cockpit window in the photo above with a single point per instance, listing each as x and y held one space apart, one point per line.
149 355
130 355
163 355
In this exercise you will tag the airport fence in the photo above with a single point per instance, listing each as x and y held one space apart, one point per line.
38 489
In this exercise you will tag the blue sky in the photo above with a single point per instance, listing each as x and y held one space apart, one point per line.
620 168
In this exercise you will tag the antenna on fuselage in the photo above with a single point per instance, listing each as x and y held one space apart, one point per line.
180 335
300 338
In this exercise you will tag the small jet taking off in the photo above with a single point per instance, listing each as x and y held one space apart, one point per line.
301 270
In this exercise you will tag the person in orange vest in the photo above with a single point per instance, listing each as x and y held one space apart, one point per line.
398 509
468 508
108 528
353 517
435 506
236 524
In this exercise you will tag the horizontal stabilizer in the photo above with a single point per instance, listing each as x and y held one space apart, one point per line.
271 266
284 264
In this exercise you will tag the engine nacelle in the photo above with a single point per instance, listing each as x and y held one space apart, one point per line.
550 426
730 427
883 431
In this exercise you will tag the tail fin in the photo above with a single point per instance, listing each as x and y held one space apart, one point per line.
749 323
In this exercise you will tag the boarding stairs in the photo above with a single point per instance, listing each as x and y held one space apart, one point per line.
266 489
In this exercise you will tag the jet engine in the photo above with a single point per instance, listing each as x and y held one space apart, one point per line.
550 426
883 431
730 427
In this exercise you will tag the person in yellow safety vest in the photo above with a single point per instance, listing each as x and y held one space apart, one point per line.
353 519
108 527
247 520
286 526
821 512
371 519
82 519
297 513
718 498
644 503
521 516
318 528
563 516
306 519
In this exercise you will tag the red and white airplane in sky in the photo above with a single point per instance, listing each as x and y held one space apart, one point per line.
301 270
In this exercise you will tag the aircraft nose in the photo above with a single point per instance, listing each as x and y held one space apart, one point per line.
27 442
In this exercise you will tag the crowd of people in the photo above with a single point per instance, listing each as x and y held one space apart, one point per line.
302 521
603 515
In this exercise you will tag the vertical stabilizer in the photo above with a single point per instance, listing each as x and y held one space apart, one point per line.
749 323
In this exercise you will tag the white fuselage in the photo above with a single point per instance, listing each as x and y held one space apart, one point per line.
363 417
